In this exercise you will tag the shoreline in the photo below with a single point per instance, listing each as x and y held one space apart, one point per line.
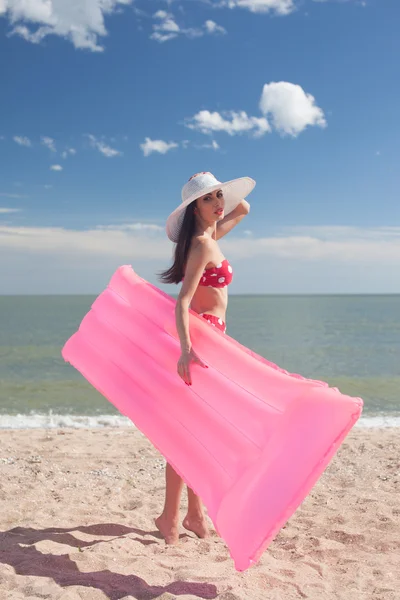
73 421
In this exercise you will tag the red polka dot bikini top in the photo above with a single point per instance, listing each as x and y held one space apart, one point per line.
218 276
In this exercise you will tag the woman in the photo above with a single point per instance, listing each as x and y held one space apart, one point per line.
209 210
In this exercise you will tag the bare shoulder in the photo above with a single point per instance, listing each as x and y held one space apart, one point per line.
202 248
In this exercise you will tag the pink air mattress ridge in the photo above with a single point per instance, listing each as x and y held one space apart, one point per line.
249 438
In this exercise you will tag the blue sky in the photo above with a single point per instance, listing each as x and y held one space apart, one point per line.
107 112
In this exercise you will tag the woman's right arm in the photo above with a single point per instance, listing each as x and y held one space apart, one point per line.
182 324
197 260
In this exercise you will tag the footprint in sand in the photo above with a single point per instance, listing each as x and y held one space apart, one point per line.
346 538
221 558
314 566
339 520
287 572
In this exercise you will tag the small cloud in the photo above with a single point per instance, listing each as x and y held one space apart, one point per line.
144 227
22 141
378 153
6 211
103 147
47 186
68 152
230 122
150 227
213 146
56 168
13 196
212 27
49 143
280 7
161 14
159 146
162 37
166 28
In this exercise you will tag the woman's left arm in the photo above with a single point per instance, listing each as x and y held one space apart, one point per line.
232 219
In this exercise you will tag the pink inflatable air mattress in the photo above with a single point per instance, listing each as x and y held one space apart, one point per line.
249 438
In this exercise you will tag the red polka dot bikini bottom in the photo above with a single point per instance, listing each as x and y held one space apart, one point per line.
215 321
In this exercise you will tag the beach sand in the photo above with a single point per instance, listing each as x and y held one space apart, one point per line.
77 510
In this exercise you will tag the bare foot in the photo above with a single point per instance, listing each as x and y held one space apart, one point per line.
196 524
168 530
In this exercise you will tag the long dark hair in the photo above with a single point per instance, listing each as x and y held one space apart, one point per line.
176 272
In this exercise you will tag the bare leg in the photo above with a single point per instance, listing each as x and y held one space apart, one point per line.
195 520
168 522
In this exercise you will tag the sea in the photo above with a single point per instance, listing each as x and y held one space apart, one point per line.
350 341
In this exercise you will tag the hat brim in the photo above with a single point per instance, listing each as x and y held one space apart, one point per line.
234 192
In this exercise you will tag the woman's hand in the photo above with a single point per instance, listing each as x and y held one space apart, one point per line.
184 365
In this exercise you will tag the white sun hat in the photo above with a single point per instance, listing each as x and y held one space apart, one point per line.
204 183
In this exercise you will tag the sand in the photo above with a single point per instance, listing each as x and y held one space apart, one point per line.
77 510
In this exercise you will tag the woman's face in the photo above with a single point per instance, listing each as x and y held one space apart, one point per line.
210 208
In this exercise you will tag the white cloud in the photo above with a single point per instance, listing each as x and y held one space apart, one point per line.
361 2
13 196
162 37
212 27
305 260
213 146
287 105
130 240
150 146
80 22
161 14
149 227
22 140
230 122
56 168
351 245
290 108
49 143
166 28
4 211
47 186
68 152
103 147
281 7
